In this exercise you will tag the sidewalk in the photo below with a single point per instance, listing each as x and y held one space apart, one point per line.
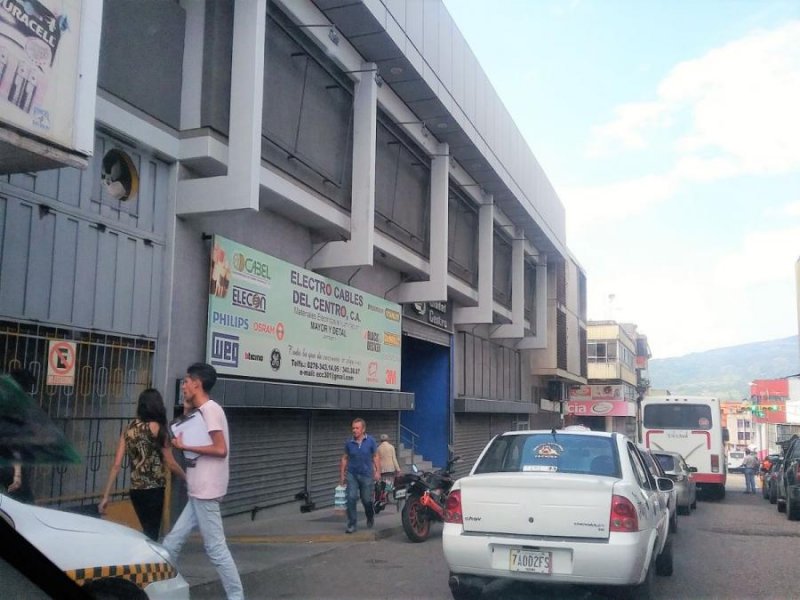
282 535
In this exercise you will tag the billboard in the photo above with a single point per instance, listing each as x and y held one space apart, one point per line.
270 319
596 392
39 57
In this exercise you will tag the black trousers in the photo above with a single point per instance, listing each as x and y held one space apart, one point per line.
149 506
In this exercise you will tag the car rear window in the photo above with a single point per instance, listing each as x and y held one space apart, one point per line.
551 453
666 461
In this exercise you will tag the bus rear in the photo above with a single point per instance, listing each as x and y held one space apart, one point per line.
691 426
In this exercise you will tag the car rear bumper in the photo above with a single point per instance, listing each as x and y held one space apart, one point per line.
618 560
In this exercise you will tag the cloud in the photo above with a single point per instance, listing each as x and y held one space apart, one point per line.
593 205
764 256
737 103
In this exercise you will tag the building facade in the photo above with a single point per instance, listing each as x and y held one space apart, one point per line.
266 178
617 357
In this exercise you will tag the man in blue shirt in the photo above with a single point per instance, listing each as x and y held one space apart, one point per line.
360 467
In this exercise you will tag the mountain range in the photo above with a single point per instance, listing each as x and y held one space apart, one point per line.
726 372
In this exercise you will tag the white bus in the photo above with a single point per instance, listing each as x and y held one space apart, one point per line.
691 426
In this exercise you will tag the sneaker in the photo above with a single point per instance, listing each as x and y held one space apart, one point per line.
370 522
350 529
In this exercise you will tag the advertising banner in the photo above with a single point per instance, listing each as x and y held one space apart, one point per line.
270 319
601 408
596 392
39 44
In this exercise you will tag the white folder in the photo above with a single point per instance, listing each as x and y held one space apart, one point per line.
194 430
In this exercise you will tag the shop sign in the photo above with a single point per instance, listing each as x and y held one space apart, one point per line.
270 319
435 314
39 48
601 408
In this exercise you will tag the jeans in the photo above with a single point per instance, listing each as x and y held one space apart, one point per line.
750 479
205 515
362 485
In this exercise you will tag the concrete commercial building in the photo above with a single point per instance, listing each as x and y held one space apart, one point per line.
327 200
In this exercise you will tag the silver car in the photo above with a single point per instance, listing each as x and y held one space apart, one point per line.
683 475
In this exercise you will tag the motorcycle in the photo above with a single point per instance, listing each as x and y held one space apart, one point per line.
425 494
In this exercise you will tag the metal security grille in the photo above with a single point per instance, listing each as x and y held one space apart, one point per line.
110 372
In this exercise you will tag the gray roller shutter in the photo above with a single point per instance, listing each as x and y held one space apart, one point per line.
268 457
472 433
330 430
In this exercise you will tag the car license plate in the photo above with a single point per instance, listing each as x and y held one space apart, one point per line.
399 494
530 561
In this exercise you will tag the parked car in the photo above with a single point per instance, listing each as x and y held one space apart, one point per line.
578 507
770 480
683 475
101 556
788 494
671 497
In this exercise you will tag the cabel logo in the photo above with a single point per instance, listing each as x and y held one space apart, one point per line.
251 266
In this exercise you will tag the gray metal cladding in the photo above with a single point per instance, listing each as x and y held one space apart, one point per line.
72 255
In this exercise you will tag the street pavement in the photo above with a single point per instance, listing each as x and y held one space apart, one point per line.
279 537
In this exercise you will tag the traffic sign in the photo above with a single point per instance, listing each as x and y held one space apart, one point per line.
61 363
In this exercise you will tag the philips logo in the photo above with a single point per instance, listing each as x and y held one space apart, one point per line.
249 299
224 350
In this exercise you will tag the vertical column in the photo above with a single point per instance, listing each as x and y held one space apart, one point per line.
435 289
483 312
358 250
516 329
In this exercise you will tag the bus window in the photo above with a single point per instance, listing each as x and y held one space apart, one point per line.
677 416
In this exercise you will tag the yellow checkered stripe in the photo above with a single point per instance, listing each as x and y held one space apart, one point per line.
141 574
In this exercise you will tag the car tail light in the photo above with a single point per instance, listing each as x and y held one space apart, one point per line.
715 463
452 508
623 515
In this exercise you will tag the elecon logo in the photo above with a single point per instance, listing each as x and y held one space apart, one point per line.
244 298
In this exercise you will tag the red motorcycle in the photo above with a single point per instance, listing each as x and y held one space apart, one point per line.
425 495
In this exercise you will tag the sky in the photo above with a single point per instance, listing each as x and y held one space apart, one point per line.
671 132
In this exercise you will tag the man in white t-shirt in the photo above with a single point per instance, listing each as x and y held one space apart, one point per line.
207 481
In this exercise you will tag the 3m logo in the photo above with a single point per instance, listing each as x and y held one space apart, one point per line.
224 350
391 377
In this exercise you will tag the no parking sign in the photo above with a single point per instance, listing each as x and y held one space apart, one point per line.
61 363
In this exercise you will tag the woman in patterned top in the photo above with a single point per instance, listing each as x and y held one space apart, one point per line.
146 442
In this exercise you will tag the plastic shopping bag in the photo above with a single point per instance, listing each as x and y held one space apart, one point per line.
339 498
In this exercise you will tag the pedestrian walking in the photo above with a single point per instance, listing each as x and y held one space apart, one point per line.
750 464
388 457
146 443
360 468
207 481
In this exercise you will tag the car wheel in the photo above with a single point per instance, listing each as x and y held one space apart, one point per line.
781 505
694 502
685 510
109 588
673 523
773 494
791 509
664 560
464 587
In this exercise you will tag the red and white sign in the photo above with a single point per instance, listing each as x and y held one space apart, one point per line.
61 363
601 408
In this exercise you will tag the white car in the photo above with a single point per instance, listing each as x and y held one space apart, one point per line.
98 554
577 507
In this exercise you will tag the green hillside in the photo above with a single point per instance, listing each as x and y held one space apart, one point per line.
726 372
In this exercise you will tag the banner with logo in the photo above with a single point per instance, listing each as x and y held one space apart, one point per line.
601 408
39 45
270 319
597 392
